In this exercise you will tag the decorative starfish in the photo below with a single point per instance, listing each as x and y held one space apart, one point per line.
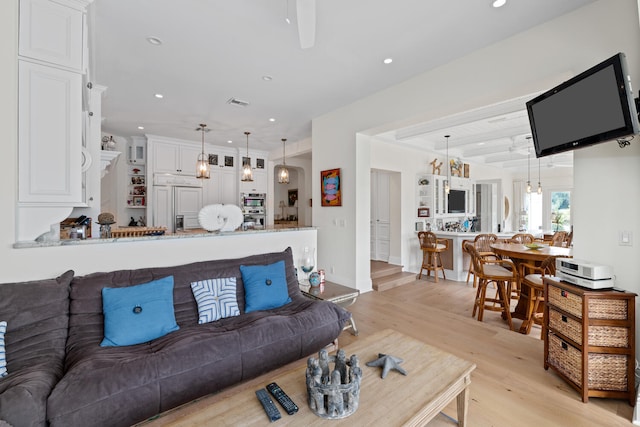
388 363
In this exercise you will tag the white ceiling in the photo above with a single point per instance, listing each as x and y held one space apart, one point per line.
213 50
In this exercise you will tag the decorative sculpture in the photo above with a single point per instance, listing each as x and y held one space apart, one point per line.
333 394
388 363
435 167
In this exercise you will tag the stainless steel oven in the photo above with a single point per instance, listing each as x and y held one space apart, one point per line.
253 207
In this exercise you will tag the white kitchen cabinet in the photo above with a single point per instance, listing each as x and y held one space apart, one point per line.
163 207
174 158
50 135
431 194
221 187
53 32
258 185
188 202
137 151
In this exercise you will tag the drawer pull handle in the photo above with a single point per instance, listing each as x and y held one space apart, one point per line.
564 319
565 346
563 293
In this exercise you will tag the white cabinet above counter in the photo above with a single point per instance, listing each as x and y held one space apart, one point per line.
433 201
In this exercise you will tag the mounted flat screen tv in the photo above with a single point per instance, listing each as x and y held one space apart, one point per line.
592 107
457 201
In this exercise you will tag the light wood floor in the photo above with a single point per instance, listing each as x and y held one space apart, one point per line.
510 386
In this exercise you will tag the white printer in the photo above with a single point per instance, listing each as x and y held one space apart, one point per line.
584 273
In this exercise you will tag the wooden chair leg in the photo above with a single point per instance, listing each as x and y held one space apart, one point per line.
505 303
434 265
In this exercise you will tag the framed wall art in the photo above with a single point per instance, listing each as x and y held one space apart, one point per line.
330 187
213 159
423 213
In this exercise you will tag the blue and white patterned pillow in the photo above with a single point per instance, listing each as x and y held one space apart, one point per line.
216 299
3 359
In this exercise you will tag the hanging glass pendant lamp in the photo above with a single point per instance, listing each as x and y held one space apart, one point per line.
539 186
447 187
247 174
528 166
283 175
202 165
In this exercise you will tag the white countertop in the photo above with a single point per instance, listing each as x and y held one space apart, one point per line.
469 234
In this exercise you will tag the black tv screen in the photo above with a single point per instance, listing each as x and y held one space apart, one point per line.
595 106
456 201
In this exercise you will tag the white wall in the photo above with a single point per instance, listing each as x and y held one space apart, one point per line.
532 61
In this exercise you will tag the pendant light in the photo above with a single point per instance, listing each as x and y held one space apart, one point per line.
247 174
446 183
283 175
202 165
539 186
528 167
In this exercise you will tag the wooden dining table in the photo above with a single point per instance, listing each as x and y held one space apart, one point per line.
519 253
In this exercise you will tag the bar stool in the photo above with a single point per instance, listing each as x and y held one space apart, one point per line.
482 243
500 271
531 276
432 247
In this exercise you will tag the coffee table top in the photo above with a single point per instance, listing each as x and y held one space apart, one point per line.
333 292
434 379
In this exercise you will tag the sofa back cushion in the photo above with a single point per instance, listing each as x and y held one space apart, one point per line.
37 319
86 322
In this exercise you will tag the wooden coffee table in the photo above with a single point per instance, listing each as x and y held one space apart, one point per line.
434 379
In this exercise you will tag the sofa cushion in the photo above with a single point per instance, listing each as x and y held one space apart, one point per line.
36 313
3 359
139 313
216 299
265 286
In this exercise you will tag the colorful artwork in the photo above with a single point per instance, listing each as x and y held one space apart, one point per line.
330 186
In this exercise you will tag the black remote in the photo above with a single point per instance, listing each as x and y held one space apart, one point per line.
268 405
282 398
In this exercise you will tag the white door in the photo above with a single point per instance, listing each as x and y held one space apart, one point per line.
380 217
163 207
188 202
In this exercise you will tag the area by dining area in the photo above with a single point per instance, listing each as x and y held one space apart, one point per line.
507 272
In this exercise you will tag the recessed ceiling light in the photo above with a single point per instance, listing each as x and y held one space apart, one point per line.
499 3
388 60
481 143
229 142
159 95
154 41
272 119
141 127
267 78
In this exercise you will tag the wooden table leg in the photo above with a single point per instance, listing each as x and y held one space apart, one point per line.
462 401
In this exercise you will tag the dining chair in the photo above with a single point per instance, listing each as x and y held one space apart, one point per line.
531 275
482 242
523 238
558 238
432 247
568 240
503 273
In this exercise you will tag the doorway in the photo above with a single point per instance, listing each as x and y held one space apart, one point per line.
385 216
488 212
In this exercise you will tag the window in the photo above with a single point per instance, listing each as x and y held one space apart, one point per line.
560 210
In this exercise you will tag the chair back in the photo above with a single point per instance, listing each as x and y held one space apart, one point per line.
428 240
475 256
558 238
523 238
483 242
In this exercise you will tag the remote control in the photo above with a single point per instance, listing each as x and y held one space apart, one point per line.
268 405
282 398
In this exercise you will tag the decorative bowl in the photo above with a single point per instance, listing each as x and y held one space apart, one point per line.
534 246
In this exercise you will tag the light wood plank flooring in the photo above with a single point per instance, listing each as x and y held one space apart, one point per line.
510 386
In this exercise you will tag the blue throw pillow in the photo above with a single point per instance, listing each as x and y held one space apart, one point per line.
216 299
137 314
3 358
265 286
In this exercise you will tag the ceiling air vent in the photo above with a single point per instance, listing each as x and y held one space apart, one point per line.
238 102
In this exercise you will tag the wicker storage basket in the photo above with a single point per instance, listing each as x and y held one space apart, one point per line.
567 301
606 371
608 309
609 336
567 326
